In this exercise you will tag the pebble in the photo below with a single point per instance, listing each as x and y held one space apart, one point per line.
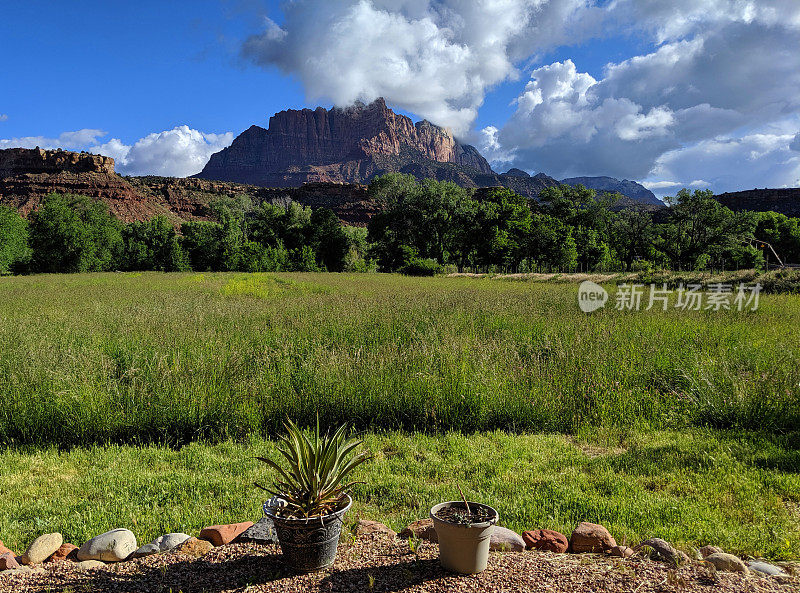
194 547
726 562
89 565
369 527
546 540
766 568
219 535
590 537
7 561
621 551
113 546
706 551
422 529
163 543
42 548
505 540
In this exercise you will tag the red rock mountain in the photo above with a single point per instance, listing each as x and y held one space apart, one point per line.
345 145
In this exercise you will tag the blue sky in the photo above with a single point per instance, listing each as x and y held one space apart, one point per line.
568 87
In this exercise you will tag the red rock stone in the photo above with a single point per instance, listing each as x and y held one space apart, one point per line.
590 537
422 529
65 552
546 540
4 550
219 535
7 561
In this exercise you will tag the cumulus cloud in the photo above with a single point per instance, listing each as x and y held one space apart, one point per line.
436 58
729 164
179 152
723 74
795 145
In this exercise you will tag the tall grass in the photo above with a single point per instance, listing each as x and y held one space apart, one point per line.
173 358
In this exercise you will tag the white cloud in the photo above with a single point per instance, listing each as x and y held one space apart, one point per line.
76 140
3 117
730 164
795 145
725 73
436 58
179 152
660 185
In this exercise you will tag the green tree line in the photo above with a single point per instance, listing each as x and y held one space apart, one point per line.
422 226
71 233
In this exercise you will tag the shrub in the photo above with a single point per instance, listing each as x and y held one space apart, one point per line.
416 266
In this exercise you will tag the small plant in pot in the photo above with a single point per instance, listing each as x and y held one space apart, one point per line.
310 495
464 530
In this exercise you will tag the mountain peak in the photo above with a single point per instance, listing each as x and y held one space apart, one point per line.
349 144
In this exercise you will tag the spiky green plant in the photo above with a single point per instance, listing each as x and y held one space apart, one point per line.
313 481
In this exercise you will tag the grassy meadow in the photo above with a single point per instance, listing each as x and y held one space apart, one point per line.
140 400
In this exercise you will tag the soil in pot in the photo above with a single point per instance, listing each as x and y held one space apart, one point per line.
458 514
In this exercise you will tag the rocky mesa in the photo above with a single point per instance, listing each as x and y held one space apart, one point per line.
353 145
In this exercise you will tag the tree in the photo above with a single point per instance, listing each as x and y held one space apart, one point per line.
201 242
329 241
701 232
74 234
153 245
14 251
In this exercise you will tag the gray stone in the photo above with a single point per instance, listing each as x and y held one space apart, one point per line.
113 546
262 532
726 562
766 568
42 548
164 543
505 540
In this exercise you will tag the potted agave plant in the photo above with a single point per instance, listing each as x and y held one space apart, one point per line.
309 497
464 530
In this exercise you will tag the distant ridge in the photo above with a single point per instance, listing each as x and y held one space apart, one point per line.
630 189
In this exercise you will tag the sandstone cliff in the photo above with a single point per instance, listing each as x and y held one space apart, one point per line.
344 145
26 175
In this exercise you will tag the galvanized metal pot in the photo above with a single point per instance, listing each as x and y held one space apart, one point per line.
308 544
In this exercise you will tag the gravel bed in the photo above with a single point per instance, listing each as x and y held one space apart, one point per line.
380 563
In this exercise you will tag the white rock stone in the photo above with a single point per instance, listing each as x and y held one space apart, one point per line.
113 546
164 543
766 568
42 548
505 540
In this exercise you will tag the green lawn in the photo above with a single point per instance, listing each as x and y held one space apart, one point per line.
739 491
140 400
